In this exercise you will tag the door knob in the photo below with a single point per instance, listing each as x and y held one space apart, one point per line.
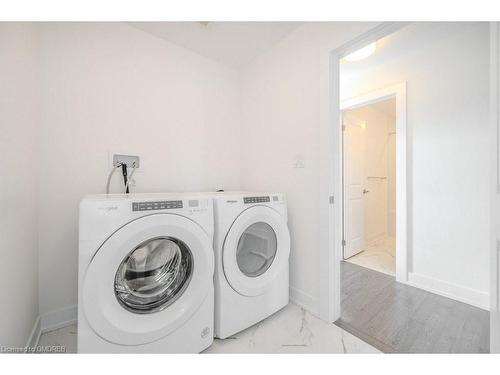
365 191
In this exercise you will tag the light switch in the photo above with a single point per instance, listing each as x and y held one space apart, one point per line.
298 161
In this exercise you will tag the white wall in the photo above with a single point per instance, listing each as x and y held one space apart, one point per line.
112 88
281 114
18 189
446 67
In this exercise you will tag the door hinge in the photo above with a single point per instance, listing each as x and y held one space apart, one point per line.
343 242
343 127
332 199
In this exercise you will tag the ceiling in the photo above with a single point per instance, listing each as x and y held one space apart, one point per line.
410 39
234 44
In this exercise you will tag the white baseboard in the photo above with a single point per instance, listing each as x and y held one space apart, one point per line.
36 331
303 300
59 318
457 292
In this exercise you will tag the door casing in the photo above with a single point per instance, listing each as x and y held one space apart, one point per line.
495 189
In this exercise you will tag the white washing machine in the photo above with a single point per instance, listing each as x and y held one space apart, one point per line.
145 281
252 248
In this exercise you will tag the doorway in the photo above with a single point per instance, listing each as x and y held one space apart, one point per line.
369 185
374 180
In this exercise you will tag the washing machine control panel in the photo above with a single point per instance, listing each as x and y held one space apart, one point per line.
155 205
248 200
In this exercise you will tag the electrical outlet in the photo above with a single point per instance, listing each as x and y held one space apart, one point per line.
129 160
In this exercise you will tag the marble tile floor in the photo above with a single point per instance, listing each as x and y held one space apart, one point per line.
379 256
291 330
63 337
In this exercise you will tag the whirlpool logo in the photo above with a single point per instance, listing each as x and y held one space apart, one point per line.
232 201
109 208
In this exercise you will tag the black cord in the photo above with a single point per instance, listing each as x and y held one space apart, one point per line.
124 172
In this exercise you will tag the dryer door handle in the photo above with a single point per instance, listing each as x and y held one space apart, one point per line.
262 255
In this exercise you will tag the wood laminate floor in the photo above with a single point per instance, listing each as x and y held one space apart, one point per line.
397 318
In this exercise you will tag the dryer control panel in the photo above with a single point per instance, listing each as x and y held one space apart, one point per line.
264 199
155 205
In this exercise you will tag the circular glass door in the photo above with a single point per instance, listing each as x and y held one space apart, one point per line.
256 249
147 279
153 275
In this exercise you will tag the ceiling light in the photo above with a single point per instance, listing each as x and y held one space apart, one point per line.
362 53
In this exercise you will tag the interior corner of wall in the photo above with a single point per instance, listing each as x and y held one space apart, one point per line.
304 300
59 318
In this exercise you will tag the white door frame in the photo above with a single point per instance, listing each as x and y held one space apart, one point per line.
495 189
330 168
398 92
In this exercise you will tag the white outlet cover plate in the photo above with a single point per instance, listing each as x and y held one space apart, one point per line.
128 157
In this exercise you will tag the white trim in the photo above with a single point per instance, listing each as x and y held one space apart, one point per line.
49 322
397 91
494 191
58 318
35 334
443 288
303 299
330 215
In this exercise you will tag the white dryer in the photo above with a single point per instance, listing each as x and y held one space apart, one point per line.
145 276
252 248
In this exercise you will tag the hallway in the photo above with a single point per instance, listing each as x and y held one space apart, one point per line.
396 318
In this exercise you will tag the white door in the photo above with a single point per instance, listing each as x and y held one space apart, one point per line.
495 196
354 139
